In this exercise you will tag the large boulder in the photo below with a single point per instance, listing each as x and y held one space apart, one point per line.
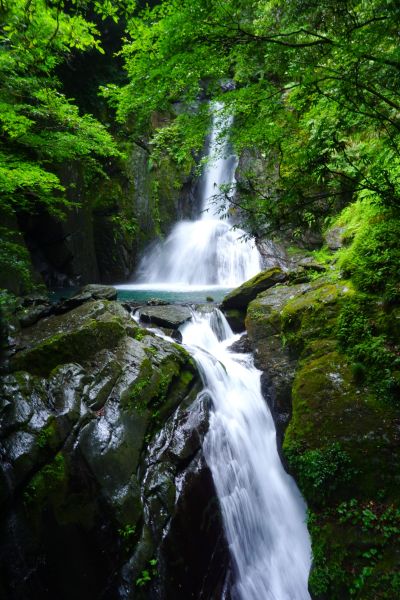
85 395
170 316
240 297
235 304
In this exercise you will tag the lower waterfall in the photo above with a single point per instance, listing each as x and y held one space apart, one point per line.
262 509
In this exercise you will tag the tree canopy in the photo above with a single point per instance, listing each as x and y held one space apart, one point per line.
315 95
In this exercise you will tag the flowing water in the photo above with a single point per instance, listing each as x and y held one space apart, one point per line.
262 509
263 512
208 251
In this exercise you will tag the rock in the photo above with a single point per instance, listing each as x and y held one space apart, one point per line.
70 337
241 346
340 441
311 265
243 295
280 323
77 425
236 319
171 316
30 316
156 302
273 254
89 292
334 237
182 505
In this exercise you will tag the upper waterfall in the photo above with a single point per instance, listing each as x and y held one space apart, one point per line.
207 251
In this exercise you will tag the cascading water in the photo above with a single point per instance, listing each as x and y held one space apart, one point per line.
206 251
262 509
263 512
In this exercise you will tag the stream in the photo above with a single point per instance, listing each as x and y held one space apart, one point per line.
263 512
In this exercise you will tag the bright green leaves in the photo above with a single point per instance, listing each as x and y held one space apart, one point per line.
40 128
23 183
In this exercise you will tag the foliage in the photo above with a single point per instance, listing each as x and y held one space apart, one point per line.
320 471
14 259
40 127
371 343
370 573
314 96
147 574
8 303
127 534
373 258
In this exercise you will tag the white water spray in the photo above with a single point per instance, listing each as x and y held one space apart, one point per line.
206 251
263 512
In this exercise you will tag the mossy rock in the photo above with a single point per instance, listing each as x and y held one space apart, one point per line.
240 297
63 348
328 407
236 319
313 313
72 337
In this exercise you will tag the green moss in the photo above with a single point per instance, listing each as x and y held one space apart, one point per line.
74 346
160 387
48 481
313 315
48 436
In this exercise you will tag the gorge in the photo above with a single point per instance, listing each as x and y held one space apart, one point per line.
199 300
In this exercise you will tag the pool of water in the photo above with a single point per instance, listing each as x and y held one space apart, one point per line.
142 293
180 294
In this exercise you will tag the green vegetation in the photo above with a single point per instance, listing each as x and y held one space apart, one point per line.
147 574
315 97
47 482
314 91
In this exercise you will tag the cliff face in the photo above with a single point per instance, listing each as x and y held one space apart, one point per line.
103 485
117 217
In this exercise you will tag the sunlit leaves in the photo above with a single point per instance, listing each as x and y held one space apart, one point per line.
39 127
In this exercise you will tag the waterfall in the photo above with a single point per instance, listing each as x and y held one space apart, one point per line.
207 251
262 509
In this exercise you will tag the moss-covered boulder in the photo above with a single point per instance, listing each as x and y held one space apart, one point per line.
240 297
342 439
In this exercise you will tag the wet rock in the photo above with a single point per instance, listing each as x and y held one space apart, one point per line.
76 423
171 316
85 294
236 319
32 315
241 345
156 302
70 337
243 295
181 506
